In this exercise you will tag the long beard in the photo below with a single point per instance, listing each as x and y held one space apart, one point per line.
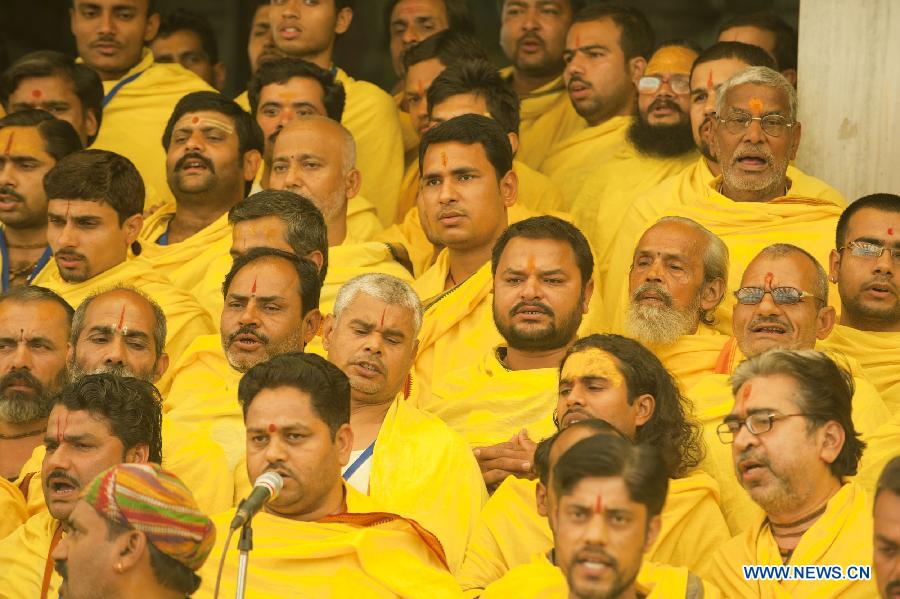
661 325
661 141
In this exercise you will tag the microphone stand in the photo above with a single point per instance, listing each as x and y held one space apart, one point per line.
245 545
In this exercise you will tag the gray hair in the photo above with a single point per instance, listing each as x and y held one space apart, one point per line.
386 288
159 317
759 76
781 250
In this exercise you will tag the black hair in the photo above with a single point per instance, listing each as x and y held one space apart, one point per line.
132 408
168 571
885 202
98 175
785 37
151 7
636 35
182 19
327 386
250 136
305 228
448 47
575 5
889 480
282 70
753 56
481 78
60 138
458 16
541 459
548 227
310 283
470 129
34 293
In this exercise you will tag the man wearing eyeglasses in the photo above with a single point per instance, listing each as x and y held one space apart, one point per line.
659 142
782 303
793 445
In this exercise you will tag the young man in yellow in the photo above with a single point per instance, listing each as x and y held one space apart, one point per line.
188 38
542 286
213 150
271 307
659 142
533 37
96 422
472 87
402 457
767 31
782 303
866 267
33 142
754 202
793 444
122 332
308 31
886 516
605 503
319 537
677 280
467 186
606 50
139 94
620 381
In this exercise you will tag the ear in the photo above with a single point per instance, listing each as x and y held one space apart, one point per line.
316 258
327 331
586 296
132 227
644 406
250 164
130 549
311 323
790 75
70 354
834 266
152 27
825 322
509 188
139 454
90 123
162 364
652 531
711 294
219 75
832 438
344 18
352 181
540 497
514 142
795 131
343 439
636 68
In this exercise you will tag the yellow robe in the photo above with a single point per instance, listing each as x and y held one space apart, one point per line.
185 318
510 529
571 161
806 217
692 357
136 117
389 557
487 403
458 327
24 554
407 130
877 353
539 579
841 536
712 401
13 512
546 118
416 457
882 445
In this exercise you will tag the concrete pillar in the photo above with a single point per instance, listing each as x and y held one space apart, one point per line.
849 87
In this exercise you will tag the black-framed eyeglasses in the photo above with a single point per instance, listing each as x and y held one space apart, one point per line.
757 424
650 84
772 124
864 249
750 296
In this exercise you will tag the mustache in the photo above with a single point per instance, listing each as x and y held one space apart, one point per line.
9 191
532 304
374 361
665 103
597 551
18 377
530 37
64 476
892 586
763 320
60 567
65 253
658 289
107 38
247 330
754 152
195 156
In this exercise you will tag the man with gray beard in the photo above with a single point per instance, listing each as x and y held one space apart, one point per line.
677 279
34 327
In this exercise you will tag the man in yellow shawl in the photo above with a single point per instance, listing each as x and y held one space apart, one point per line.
588 481
533 37
676 281
782 303
467 186
793 444
213 150
96 422
886 518
94 219
402 457
606 50
319 537
542 286
139 93
659 142
620 381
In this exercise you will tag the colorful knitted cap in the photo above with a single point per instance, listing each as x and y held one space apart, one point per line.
147 498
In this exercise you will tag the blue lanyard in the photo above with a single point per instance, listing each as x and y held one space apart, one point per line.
112 93
365 455
38 266
164 238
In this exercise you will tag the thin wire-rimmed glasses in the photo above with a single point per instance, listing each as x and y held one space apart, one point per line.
757 424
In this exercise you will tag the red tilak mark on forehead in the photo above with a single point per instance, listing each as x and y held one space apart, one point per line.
195 120
530 264
61 431
272 428
769 277
577 40
748 388
9 143
383 312
421 89
37 93
598 506
21 335
891 231
68 207
709 81
444 159
121 319
253 289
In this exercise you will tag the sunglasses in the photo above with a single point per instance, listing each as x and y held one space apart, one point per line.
750 296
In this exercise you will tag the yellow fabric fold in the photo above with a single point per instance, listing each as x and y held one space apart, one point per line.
200 464
692 357
23 554
487 403
882 445
13 512
878 354
841 536
423 470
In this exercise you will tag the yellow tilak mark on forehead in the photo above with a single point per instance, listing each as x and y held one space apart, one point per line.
22 141
671 59
189 121
592 362
755 105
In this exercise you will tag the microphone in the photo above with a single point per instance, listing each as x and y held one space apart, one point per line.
266 488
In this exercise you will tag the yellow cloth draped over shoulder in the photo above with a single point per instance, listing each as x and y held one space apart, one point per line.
458 327
882 446
135 118
185 318
423 470
510 529
879 355
13 510
841 536
546 118
574 158
363 552
692 357
807 217
487 403
542 580
24 554
712 401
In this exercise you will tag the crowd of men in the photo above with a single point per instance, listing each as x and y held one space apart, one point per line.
576 328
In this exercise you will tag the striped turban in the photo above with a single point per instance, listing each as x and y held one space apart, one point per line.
145 497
